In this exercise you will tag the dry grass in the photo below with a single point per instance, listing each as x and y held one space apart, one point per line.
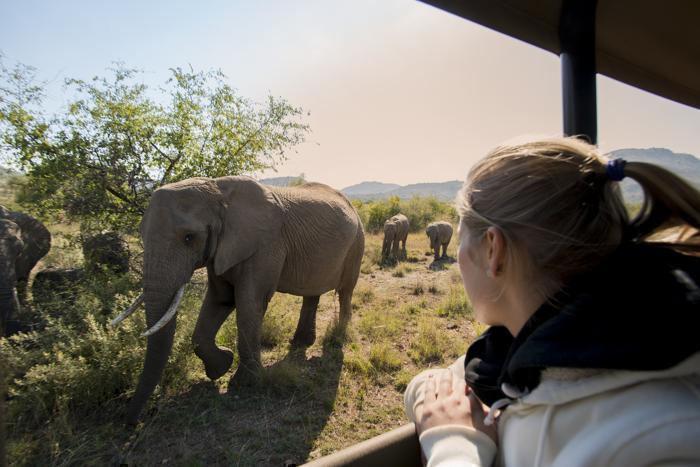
345 388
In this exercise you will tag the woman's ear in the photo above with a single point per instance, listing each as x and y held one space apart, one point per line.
495 251
252 218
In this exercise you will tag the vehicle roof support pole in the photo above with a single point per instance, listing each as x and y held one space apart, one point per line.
577 39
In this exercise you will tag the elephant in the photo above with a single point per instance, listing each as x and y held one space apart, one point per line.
253 240
106 250
439 233
395 231
23 242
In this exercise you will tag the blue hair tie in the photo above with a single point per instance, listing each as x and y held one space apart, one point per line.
616 169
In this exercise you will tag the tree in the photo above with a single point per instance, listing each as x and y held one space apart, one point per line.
100 158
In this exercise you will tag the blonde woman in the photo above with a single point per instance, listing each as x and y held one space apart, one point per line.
593 354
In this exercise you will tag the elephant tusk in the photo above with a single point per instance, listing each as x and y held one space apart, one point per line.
168 314
15 298
128 311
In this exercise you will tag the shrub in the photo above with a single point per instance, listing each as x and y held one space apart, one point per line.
77 362
418 289
420 211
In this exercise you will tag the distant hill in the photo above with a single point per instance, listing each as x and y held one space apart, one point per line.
445 191
369 188
686 166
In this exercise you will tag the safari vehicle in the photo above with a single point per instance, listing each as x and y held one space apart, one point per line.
651 45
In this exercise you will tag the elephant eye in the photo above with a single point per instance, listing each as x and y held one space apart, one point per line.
189 238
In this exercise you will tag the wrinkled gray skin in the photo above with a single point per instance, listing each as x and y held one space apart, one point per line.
23 242
440 234
395 231
253 240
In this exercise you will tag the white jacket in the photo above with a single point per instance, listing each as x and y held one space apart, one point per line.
581 418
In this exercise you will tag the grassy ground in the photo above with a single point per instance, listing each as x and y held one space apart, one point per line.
341 390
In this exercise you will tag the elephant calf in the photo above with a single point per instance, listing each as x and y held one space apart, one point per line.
440 234
253 240
395 231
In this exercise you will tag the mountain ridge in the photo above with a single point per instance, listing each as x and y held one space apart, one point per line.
687 166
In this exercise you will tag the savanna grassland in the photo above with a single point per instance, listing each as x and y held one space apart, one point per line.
70 382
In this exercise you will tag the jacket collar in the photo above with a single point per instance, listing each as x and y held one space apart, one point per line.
634 312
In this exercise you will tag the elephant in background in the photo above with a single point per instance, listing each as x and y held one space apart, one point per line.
253 240
440 234
395 231
23 242
106 250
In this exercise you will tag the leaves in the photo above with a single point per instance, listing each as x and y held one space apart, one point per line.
118 140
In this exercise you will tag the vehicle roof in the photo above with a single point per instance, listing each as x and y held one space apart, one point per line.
649 44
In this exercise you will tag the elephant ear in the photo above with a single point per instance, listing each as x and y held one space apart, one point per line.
252 218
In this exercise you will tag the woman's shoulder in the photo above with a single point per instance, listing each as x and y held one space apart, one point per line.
608 417
564 385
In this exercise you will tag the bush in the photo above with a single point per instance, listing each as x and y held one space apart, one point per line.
420 211
77 362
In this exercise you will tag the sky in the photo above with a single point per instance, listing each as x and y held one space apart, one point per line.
397 91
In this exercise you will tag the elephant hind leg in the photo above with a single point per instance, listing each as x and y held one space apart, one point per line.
305 335
345 298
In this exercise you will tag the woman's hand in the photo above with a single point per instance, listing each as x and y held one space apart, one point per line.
443 405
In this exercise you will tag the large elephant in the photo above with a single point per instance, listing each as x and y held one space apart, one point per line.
253 240
440 234
23 242
395 231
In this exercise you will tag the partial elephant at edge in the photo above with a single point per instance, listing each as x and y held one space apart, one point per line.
23 242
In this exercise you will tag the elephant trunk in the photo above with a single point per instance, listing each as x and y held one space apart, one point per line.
9 307
158 350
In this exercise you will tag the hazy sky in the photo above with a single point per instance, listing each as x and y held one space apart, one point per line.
397 91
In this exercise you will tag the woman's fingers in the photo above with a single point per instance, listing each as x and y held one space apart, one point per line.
445 387
429 395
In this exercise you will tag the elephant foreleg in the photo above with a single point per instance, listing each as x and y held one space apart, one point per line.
305 334
217 360
395 249
250 311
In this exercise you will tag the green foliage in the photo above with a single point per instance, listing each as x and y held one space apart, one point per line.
432 343
76 362
420 211
455 303
278 325
119 140
384 358
379 324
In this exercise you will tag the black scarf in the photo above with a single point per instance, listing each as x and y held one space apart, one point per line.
638 310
